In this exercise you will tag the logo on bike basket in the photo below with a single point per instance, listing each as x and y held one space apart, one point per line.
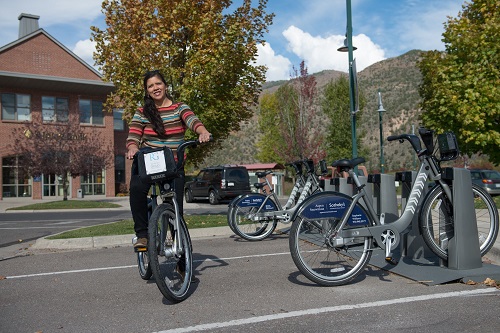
257 201
334 207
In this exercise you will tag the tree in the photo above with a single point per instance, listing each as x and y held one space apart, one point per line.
461 87
206 53
61 150
335 105
291 115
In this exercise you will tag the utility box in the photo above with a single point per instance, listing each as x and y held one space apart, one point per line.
79 193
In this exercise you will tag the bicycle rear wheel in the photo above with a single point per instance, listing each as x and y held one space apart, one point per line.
437 222
248 225
143 265
171 269
324 259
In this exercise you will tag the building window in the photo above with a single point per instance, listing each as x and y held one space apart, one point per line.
94 183
55 109
119 169
118 122
91 112
16 107
16 183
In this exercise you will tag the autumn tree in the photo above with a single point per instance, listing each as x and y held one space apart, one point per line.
461 86
61 150
335 105
205 48
291 115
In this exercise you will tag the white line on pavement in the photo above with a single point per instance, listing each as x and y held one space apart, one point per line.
253 320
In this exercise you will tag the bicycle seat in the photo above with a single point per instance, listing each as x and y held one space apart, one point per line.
262 174
345 163
259 185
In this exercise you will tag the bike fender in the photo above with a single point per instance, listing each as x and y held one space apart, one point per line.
328 205
255 200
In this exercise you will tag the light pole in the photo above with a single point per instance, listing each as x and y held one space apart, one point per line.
352 94
380 111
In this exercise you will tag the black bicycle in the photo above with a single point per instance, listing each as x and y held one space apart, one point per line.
168 256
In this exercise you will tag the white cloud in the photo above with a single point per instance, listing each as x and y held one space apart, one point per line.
278 66
320 53
85 50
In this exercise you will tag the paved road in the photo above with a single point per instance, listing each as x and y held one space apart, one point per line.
243 287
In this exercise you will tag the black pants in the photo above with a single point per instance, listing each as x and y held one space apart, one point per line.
139 200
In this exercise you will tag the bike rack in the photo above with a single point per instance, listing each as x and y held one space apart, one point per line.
384 196
417 261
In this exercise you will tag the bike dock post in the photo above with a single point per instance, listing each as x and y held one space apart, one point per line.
384 196
412 243
341 185
463 248
368 188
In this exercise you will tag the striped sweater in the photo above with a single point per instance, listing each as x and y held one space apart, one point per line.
176 118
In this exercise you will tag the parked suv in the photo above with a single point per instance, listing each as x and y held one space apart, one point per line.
487 179
218 183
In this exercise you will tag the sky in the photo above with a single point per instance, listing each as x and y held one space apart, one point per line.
302 30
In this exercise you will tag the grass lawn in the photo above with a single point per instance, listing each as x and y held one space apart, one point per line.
126 227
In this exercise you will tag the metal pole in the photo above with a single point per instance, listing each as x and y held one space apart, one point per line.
351 80
380 111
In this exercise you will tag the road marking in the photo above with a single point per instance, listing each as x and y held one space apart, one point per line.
130 266
260 319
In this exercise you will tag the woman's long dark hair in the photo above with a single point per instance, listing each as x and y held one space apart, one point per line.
149 109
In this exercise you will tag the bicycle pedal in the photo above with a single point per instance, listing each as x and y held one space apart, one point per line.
140 249
391 260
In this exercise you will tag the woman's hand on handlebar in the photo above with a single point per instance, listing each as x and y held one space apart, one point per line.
205 137
131 152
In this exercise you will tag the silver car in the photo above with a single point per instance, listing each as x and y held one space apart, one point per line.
487 179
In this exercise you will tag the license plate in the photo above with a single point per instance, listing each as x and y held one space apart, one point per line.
497 185
230 184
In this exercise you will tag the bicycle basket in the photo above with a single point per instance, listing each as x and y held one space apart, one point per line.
156 164
448 146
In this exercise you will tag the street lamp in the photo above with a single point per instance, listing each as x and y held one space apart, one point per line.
380 111
349 48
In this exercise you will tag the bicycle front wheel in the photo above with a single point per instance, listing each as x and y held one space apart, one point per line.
324 259
437 222
170 253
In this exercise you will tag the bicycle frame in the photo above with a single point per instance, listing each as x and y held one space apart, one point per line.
389 233
282 213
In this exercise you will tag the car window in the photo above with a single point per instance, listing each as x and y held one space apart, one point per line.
238 175
475 175
491 175
206 175
218 175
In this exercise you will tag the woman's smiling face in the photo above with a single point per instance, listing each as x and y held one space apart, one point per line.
156 89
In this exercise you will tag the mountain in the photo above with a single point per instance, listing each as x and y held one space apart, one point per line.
397 79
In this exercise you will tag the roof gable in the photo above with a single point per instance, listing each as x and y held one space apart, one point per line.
40 54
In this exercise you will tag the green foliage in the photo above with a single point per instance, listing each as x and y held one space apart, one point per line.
461 86
206 54
268 121
335 105
288 121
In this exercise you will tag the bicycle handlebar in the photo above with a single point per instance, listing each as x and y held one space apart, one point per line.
412 138
183 146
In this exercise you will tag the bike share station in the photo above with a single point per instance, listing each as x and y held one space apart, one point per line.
415 260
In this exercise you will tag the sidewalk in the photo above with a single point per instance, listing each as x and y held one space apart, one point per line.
43 244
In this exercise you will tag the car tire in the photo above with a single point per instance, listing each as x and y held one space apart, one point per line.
188 196
212 198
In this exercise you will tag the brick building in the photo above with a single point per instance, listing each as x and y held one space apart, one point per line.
42 81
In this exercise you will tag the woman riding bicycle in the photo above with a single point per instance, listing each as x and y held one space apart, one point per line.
160 122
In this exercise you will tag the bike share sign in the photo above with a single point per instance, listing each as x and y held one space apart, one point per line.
155 162
256 201
328 207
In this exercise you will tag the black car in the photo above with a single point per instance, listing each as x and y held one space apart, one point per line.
487 179
223 182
